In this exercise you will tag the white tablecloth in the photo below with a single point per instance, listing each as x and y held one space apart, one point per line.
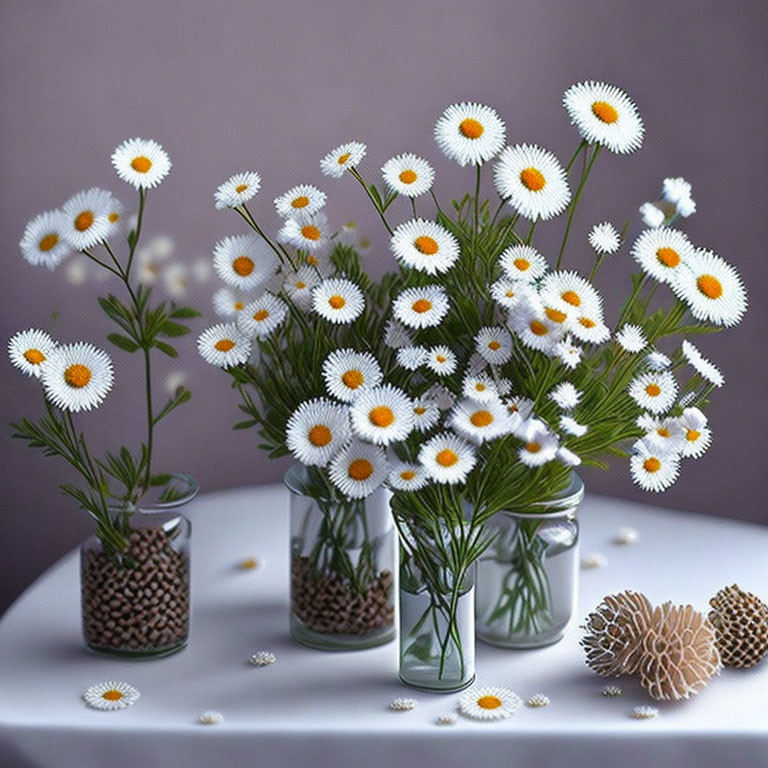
315 709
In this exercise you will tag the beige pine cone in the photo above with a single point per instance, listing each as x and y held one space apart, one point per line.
614 633
741 626
679 653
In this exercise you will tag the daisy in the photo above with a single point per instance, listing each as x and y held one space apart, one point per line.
523 262
480 387
703 367
421 306
343 158
476 364
411 358
316 431
408 175
489 703
402 704
29 349
568 353
299 202
697 434
570 293
657 361
631 338
572 427
442 396
227 303
712 288
143 163
111 695
590 328
651 468
480 422
447 458
44 240
654 391
244 261
396 335
338 300
299 284
441 360
520 410
86 218
540 446
662 252
316 260
470 134
604 238
382 414
604 115
260 317
652 215
114 213
348 373
359 469
686 207
503 387
310 234
176 280
224 346
535 329
565 396
77 377
425 246
676 189
494 344
666 434
532 181
237 189
510 293
426 413
262 659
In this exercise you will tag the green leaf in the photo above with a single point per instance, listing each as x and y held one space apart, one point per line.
166 348
169 328
184 312
123 342
245 424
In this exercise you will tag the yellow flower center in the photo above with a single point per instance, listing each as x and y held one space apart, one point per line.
352 379
441 359
84 220
481 418
320 435
311 232
522 264
408 176
494 345
337 302
604 111
112 695
302 201
343 158
555 315
664 432
587 323
240 188
239 305
710 286
419 410
571 297
381 416
654 390
471 128
421 305
691 435
360 469
48 242
77 375
261 315
34 356
669 257
479 387
446 458
407 474
243 266
426 245
652 464
224 345
312 260
141 164
532 179
301 285
538 328
113 217
510 294
533 447
489 702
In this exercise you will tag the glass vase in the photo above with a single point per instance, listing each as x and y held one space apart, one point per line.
437 629
135 603
342 568
527 579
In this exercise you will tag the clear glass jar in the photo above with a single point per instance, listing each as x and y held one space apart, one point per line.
527 579
342 568
437 629
136 603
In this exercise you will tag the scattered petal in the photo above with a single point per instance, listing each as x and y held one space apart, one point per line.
538 700
626 536
210 718
644 713
612 691
262 659
449 718
402 704
594 560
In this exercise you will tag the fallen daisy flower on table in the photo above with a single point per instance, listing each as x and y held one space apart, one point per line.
249 564
593 560
626 535
612 691
489 703
262 659
449 718
644 713
111 695
538 700
402 704
210 718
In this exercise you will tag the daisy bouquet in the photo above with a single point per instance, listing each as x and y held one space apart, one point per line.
76 377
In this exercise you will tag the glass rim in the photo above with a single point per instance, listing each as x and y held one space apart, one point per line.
561 505
188 484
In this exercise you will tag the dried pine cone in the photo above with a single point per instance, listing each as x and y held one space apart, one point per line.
614 633
679 653
741 625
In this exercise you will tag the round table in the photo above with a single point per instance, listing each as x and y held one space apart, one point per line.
316 708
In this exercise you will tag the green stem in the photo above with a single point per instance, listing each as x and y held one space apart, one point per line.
139 220
383 218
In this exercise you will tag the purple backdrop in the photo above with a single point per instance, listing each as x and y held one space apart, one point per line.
271 87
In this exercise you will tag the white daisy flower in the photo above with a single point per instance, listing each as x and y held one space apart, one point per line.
510 293
421 306
299 284
348 373
645 713
523 262
662 252
712 288
703 367
604 238
503 387
540 446
176 280
262 316
244 261
338 300
316 431
114 213
86 220
532 181
342 158
568 352
572 427
494 344
143 163
411 358
565 396
655 391
408 175
479 387
111 695
44 240
652 215
382 415
447 458
237 189
227 303
480 422
476 364
653 469
441 360
590 328
631 338
568 457
426 413
470 134
570 293
262 659
425 246
29 349
687 398
174 380
77 377
605 115
359 469
657 361
299 202
686 207
665 434
489 703
316 260
78 270
676 189
310 234
224 346
522 407
697 434
442 396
